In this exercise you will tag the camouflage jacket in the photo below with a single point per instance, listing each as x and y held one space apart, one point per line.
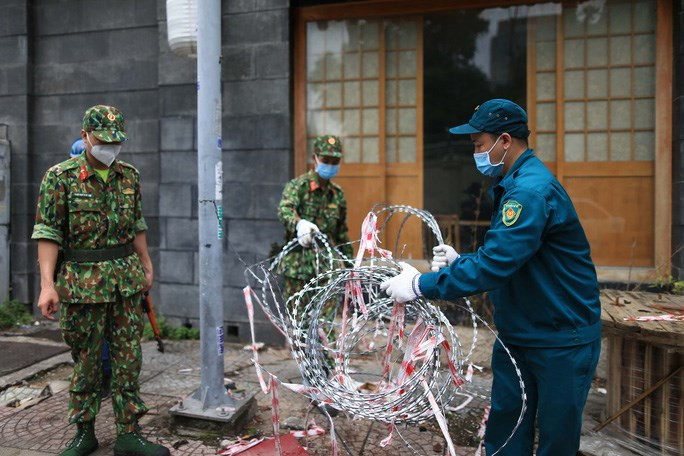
78 210
304 198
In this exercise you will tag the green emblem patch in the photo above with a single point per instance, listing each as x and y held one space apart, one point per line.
510 212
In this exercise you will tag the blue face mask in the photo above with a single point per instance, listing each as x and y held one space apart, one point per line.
326 171
485 166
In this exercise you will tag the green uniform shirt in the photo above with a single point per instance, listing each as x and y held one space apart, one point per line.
77 210
304 198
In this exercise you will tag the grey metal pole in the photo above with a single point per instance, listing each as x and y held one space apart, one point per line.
211 404
212 392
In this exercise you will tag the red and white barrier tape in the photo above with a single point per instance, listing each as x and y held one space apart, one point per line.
462 405
276 418
390 339
239 447
668 317
273 383
310 432
458 381
388 440
481 432
247 292
440 418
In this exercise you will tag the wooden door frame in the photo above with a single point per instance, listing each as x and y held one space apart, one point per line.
390 8
663 133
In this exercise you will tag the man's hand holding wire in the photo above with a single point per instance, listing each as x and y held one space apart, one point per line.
443 256
305 230
403 287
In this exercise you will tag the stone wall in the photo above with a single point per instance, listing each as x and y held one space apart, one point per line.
59 57
256 157
15 89
78 58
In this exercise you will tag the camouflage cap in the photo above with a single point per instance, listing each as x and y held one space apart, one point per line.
328 145
105 122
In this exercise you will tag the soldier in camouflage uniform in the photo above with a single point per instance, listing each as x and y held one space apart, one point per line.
312 202
90 207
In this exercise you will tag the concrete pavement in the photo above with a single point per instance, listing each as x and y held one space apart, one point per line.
42 429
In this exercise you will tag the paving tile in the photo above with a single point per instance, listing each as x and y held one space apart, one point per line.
176 373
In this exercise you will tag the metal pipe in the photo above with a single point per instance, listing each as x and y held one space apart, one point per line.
212 392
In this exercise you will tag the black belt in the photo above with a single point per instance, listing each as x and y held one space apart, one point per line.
95 255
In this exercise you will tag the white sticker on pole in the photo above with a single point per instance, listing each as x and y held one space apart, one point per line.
218 170
217 117
219 339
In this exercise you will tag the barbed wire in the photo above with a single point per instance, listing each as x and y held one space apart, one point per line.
341 317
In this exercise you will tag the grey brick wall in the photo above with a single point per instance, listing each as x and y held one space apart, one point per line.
257 126
51 70
82 59
15 89
256 100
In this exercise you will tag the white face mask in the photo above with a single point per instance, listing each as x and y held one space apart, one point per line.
485 165
104 153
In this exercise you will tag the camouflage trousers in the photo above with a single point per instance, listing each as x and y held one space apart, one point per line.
84 328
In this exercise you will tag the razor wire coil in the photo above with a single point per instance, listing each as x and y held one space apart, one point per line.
323 322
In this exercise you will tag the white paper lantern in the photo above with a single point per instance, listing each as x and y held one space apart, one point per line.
181 21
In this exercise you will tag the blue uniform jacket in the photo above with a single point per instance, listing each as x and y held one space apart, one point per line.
535 263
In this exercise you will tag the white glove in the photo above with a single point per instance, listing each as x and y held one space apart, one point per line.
404 287
443 256
305 231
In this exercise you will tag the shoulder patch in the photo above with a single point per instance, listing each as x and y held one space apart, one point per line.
510 212
128 165
63 166
55 169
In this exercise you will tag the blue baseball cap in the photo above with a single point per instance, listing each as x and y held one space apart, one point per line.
496 116
77 148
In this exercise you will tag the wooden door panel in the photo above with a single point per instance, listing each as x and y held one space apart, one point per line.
369 92
617 214
407 190
361 192
616 168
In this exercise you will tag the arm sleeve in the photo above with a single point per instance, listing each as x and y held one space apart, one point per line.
140 224
287 209
51 214
505 250
342 231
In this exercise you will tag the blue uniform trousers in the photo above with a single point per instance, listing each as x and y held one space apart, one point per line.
557 382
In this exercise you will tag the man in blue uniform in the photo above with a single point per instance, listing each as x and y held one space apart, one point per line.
535 264
77 148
